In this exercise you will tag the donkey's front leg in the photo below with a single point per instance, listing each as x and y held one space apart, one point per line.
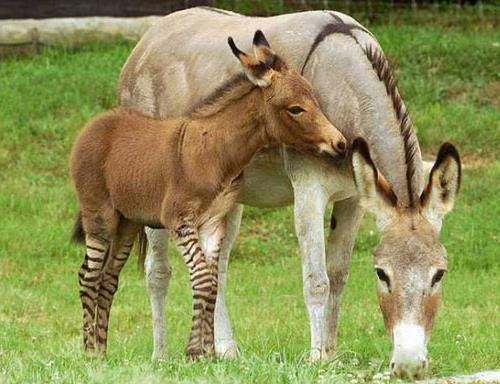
158 272
345 221
310 204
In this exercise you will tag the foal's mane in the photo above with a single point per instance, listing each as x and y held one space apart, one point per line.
233 89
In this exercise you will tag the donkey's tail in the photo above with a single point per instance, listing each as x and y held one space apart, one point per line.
78 235
142 247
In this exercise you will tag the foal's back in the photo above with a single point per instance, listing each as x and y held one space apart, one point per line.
110 162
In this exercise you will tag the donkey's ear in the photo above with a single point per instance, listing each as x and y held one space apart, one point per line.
374 191
257 72
265 54
440 194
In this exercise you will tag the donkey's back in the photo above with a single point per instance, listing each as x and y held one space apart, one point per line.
173 68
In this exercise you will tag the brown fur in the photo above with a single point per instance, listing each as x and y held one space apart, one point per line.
184 174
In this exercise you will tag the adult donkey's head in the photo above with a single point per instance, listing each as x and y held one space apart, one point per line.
410 261
292 112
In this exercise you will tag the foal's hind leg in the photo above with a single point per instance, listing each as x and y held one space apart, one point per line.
118 255
98 237
200 275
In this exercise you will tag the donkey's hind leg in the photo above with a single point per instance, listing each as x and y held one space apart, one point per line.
158 272
200 275
98 235
118 255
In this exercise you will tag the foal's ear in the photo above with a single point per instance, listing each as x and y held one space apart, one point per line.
440 194
265 54
257 71
374 191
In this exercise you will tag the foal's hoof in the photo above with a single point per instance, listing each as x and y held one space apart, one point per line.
209 350
95 354
226 349
194 354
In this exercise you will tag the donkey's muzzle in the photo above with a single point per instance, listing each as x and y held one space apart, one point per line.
409 357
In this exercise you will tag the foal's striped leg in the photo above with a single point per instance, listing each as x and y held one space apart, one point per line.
118 256
89 278
186 237
211 240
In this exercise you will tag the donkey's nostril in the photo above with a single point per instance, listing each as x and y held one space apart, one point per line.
393 365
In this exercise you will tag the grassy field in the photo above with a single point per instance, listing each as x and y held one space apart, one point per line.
451 82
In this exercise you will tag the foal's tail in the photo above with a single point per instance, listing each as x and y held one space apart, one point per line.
78 235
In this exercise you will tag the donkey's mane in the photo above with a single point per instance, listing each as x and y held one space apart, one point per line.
383 70
233 89
381 66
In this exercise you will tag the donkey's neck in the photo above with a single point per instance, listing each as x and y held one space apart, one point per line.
367 103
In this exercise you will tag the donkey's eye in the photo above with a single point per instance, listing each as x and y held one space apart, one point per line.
437 277
295 110
382 276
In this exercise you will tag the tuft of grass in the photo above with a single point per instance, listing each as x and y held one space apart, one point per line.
448 78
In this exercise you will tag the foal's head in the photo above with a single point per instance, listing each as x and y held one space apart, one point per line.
410 261
292 112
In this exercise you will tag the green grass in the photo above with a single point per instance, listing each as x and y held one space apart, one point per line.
450 80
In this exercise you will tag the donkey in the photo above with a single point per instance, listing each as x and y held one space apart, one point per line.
357 91
184 175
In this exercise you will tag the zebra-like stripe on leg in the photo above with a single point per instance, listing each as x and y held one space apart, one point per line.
107 290
201 279
89 278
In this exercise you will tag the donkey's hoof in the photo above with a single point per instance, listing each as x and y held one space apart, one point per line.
317 355
226 349
159 357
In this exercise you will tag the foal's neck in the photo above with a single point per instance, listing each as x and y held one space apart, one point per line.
233 134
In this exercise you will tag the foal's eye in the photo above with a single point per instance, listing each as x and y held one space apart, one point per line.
382 276
295 110
437 277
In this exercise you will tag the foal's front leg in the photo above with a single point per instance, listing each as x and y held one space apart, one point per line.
211 236
202 287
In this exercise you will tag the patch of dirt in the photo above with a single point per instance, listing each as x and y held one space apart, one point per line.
491 93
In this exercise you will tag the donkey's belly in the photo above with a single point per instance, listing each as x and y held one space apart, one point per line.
266 183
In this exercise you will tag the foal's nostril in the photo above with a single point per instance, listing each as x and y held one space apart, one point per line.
393 365
341 146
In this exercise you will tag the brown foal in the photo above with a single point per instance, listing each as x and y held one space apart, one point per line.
184 174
